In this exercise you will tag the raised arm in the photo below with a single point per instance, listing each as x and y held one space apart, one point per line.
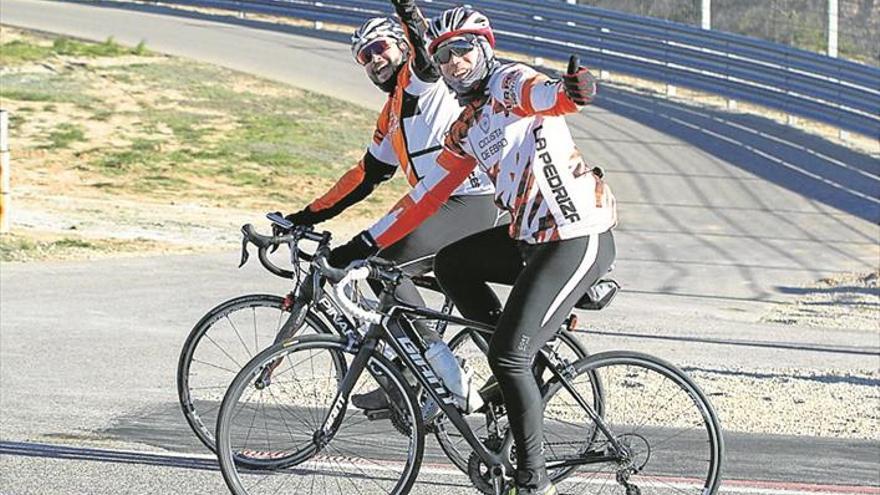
415 25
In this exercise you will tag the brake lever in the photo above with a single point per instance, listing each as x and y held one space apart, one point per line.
244 252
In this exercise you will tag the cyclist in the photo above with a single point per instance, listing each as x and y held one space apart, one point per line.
409 135
559 241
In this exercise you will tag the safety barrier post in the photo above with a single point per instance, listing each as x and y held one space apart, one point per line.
706 14
670 88
4 171
832 27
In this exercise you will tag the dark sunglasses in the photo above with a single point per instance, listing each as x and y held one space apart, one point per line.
459 48
367 53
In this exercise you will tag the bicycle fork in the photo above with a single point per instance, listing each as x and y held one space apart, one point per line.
324 434
297 316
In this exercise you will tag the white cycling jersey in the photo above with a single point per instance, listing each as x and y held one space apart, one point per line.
515 134
412 126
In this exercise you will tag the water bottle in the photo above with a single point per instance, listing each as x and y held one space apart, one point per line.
447 367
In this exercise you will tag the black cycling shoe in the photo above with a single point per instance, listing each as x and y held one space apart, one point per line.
531 483
549 489
371 401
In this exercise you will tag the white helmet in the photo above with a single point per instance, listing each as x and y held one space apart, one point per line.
373 29
455 22
471 25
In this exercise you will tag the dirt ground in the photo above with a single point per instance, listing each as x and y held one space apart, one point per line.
66 204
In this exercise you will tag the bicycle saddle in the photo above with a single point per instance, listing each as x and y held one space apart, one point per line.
599 295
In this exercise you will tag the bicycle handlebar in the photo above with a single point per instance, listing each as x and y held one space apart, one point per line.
351 276
265 242
375 269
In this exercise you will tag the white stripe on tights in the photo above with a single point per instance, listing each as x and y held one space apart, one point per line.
582 269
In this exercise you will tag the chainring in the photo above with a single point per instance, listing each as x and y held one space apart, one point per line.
477 469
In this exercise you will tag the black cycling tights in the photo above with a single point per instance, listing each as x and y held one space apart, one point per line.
458 218
547 280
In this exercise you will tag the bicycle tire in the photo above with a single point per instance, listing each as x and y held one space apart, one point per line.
198 408
302 397
653 408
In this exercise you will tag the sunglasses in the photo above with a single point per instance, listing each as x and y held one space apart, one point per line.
460 47
367 53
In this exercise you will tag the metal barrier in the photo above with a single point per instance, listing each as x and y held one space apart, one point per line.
830 90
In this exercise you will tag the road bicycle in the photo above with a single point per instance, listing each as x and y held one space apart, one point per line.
233 332
289 408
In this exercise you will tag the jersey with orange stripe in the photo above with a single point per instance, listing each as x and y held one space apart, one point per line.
411 128
409 133
516 135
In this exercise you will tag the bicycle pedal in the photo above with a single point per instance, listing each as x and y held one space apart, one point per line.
377 414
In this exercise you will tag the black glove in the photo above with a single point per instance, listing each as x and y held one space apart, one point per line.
580 85
360 247
302 217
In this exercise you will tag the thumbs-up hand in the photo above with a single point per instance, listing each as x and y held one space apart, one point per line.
580 85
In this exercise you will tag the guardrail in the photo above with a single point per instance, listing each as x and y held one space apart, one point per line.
830 90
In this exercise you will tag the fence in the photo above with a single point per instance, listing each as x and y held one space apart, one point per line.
830 90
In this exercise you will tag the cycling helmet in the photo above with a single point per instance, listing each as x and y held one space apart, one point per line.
373 29
456 22
464 23
378 29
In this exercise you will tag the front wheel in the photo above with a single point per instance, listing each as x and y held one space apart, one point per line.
284 422
661 434
219 345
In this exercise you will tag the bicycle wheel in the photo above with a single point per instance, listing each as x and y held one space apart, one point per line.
219 345
669 436
468 344
284 420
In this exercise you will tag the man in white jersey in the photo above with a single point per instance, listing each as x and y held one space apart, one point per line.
559 241
409 135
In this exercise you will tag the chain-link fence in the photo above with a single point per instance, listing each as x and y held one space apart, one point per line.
799 23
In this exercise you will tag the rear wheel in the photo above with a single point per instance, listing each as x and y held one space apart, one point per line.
667 431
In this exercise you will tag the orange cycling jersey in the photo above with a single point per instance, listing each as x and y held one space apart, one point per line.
518 137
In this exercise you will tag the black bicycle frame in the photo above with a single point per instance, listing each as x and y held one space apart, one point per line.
410 347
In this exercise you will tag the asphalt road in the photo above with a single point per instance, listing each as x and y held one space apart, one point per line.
720 216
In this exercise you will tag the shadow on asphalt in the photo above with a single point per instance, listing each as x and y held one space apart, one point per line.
749 457
804 163
820 378
165 427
